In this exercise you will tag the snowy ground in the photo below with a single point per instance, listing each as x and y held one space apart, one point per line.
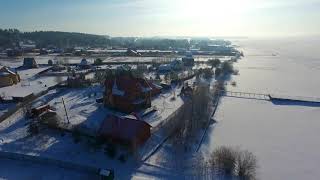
165 106
52 144
16 62
81 106
283 136
15 170
30 73
32 85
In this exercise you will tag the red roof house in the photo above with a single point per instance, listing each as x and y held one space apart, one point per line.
127 93
126 129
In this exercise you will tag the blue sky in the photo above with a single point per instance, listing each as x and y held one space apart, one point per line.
165 17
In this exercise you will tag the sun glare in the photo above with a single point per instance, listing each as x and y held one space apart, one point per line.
212 9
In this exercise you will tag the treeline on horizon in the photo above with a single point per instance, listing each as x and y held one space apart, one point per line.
10 38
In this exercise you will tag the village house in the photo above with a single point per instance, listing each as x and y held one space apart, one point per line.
127 93
8 77
132 52
128 130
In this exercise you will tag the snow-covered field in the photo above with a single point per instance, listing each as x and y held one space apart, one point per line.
16 62
81 106
283 136
12 169
28 86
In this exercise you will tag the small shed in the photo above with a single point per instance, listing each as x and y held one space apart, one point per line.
132 52
29 63
39 110
50 118
125 129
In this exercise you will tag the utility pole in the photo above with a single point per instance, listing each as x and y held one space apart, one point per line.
65 109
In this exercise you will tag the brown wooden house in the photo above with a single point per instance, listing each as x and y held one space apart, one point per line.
128 94
129 130
8 77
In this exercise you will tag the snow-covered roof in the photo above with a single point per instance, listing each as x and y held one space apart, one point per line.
8 70
130 116
4 73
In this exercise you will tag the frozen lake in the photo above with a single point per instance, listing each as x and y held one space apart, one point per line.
283 137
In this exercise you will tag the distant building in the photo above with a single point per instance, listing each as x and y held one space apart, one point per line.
8 77
27 46
127 93
131 52
84 64
13 52
29 63
44 51
129 130
188 60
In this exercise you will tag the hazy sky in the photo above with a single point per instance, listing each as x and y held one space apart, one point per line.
165 17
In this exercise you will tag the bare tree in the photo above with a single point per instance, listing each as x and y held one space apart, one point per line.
233 162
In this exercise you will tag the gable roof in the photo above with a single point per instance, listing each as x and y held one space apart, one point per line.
5 70
126 128
126 85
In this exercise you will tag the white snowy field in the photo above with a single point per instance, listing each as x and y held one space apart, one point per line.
12 169
16 62
283 136
31 85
